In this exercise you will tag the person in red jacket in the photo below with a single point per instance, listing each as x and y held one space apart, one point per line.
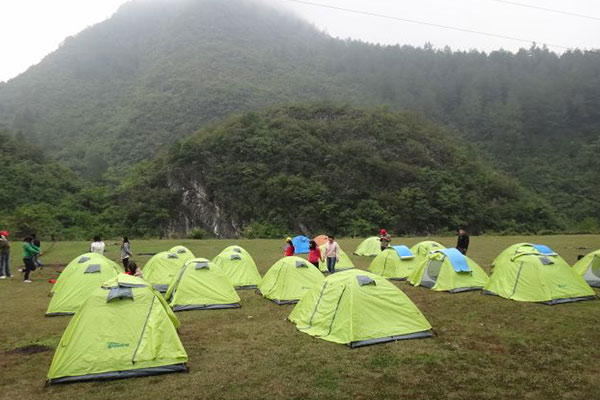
289 249
314 254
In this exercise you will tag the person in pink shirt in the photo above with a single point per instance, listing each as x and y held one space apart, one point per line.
314 253
332 253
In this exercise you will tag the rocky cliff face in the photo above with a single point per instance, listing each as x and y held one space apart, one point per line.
198 210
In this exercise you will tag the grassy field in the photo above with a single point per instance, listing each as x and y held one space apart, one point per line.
485 347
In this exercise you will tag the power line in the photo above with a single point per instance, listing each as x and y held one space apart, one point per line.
571 14
414 21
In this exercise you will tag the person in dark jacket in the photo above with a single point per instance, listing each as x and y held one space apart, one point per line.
462 244
36 242
29 252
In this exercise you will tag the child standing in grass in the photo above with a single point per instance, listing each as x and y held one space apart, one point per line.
314 254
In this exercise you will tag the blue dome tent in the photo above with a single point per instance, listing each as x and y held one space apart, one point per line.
300 244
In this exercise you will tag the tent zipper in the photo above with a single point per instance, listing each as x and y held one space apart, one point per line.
143 330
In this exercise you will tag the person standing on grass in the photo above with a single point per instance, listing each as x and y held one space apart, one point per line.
385 239
462 244
4 256
97 245
125 251
30 252
314 254
332 253
36 242
289 248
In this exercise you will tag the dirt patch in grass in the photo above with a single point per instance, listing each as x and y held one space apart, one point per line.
30 349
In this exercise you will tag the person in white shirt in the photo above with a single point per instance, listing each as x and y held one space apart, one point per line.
97 245
332 253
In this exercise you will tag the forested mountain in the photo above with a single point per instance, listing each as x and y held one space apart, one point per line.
326 168
43 196
158 70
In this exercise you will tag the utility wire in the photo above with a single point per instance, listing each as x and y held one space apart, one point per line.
414 21
572 14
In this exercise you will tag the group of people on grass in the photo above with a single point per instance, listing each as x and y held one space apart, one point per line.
332 248
131 268
32 249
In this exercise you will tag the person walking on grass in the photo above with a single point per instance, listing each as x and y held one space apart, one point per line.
97 245
30 253
289 248
332 253
314 254
4 256
125 251
462 243
385 239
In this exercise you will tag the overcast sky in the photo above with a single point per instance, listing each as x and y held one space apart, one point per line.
30 29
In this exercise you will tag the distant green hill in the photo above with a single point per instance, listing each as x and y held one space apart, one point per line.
159 70
324 168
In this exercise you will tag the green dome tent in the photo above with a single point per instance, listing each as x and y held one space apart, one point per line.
343 264
359 308
448 270
589 268
369 247
201 286
239 268
183 252
162 268
235 249
77 281
534 273
123 329
80 262
392 264
289 279
422 249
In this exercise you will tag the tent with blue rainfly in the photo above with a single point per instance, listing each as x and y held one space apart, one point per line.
589 268
369 247
534 273
449 270
124 329
301 244
358 308
397 262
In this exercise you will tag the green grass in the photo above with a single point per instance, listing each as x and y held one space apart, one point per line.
485 347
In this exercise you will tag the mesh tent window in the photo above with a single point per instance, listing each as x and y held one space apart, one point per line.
93 268
119 293
202 265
